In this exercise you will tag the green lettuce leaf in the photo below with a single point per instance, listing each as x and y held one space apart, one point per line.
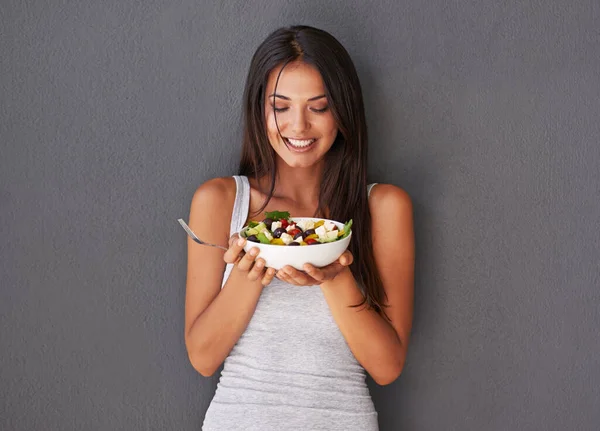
277 215
346 229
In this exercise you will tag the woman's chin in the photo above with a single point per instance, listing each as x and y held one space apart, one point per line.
301 162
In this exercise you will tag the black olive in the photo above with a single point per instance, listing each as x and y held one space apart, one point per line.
253 238
277 233
308 232
294 243
299 235
268 222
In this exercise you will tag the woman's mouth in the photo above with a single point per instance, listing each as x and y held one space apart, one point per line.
299 145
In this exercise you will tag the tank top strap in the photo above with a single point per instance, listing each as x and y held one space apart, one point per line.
241 204
369 188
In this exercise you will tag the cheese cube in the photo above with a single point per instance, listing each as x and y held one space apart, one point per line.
321 231
290 227
329 225
275 225
306 224
268 235
286 238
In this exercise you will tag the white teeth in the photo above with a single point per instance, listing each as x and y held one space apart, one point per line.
303 143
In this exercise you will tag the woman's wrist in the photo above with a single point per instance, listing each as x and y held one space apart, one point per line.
343 282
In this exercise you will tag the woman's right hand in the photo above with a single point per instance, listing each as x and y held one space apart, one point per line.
246 263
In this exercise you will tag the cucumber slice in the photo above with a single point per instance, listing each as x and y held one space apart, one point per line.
263 239
260 227
251 231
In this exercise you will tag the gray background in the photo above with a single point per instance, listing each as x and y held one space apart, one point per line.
113 112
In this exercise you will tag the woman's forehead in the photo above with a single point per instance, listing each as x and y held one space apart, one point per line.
298 80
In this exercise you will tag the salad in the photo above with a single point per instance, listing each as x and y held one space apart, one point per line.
278 229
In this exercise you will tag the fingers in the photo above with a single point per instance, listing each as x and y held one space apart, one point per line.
233 238
346 258
257 270
284 277
268 277
246 262
328 272
236 246
316 273
295 277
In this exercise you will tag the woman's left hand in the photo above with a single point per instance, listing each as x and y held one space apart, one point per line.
312 275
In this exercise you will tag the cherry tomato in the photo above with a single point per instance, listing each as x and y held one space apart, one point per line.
294 232
311 241
284 223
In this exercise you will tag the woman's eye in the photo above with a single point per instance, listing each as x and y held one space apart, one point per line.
285 108
320 111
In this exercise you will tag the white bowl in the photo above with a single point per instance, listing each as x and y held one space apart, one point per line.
318 255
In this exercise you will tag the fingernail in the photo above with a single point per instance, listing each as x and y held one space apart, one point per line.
241 241
253 252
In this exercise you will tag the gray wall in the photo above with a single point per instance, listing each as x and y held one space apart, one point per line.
112 112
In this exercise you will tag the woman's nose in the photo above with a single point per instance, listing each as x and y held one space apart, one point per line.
299 123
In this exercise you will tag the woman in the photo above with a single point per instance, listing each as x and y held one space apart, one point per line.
296 344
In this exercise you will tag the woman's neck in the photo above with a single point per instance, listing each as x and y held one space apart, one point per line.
298 185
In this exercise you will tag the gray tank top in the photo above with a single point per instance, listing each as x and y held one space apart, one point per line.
291 369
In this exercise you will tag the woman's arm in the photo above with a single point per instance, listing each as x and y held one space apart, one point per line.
380 346
215 318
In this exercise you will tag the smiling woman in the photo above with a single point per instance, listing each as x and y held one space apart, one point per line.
300 125
296 345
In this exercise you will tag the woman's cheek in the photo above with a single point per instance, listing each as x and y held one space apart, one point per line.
272 125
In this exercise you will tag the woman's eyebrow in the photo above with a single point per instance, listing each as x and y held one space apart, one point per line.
287 98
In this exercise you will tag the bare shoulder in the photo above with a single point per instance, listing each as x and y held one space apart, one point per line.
391 206
216 191
389 201
211 207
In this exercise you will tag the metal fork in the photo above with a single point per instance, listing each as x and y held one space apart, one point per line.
195 238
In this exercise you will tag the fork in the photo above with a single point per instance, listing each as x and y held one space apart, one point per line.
194 237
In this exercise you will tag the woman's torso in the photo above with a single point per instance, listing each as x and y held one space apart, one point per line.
291 368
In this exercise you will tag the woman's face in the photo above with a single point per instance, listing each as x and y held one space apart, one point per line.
303 115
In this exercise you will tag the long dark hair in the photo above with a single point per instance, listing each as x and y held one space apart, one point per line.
344 184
